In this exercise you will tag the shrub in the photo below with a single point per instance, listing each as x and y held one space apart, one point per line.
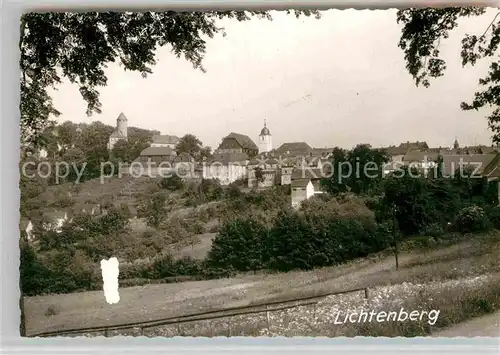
471 219
172 183
434 230
211 189
63 201
233 191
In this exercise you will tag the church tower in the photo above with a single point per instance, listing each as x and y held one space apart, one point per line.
265 140
455 144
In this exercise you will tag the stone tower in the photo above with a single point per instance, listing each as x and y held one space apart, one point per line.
120 131
121 125
265 140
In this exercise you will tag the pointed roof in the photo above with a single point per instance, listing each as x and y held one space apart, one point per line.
122 117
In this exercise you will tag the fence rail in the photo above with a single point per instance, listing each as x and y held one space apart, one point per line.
206 315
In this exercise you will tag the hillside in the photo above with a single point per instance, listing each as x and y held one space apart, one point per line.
471 268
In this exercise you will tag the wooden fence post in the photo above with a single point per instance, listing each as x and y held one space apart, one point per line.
229 326
366 292
314 313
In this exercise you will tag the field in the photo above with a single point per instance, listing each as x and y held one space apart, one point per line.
449 277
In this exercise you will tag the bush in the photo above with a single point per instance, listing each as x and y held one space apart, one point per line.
63 202
233 191
172 183
471 219
434 230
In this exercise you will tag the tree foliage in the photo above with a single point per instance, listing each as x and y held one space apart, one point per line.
423 30
78 46
359 170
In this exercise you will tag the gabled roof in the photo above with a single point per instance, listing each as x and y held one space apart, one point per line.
165 139
453 162
244 141
392 151
419 156
301 183
227 158
156 151
294 147
414 145
493 167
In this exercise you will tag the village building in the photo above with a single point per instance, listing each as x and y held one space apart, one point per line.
166 140
226 167
238 143
154 161
286 175
479 164
420 160
301 190
414 146
298 149
185 166
265 140
120 132
484 166
263 172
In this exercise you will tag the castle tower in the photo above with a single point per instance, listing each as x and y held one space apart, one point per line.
265 140
120 131
121 125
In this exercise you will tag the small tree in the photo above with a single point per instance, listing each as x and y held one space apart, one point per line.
156 210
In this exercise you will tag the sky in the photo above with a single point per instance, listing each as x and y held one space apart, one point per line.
337 81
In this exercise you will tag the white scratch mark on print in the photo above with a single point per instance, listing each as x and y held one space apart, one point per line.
110 272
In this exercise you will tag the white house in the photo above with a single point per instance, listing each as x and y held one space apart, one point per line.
421 160
302 189
27 227
165 141
226 167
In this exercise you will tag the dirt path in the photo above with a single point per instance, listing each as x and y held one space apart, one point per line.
485 326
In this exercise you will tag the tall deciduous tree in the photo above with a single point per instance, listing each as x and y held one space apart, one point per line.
78 46
423 30
189 144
